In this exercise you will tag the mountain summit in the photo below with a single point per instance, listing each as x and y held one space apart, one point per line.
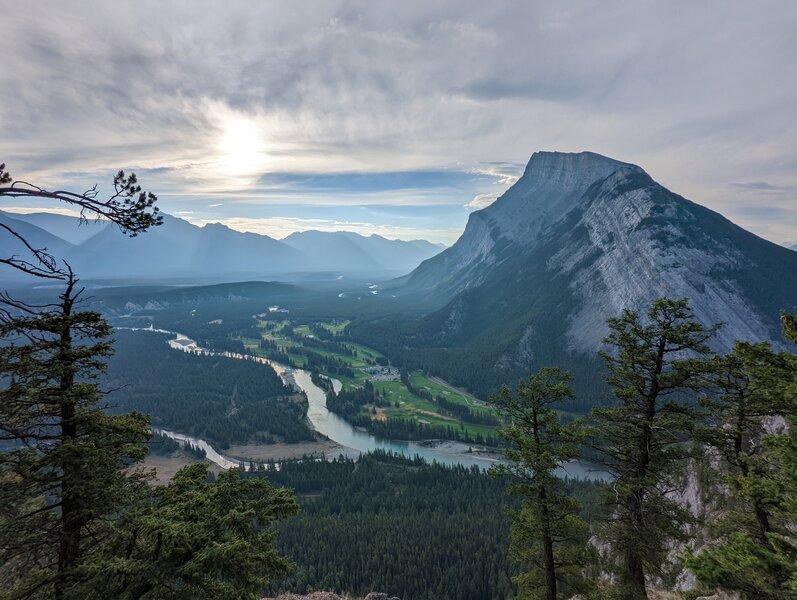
577 239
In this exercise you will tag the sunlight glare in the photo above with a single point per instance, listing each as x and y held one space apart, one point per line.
241 148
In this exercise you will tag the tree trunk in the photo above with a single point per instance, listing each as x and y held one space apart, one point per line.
69 542
634 578
547 539
550 568
547 548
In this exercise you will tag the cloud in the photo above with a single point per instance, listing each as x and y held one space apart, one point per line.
331 87
481 201
765 212
763 186
505 173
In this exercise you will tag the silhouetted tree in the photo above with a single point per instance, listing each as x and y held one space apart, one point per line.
63 472
129 207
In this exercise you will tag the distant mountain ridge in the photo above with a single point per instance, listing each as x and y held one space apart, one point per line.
333 249
578 238
180 249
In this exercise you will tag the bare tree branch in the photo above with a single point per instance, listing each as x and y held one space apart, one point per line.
129 207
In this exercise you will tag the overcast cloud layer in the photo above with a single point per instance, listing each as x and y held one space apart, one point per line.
399 118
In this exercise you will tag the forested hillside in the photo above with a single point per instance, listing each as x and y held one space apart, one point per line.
417 531
578 238
221 400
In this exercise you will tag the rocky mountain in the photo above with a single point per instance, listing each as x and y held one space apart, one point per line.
339 249
577 239
179 249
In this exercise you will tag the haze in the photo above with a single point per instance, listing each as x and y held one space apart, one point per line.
349 116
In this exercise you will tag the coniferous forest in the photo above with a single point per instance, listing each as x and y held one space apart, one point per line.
377 318
220 399
389 523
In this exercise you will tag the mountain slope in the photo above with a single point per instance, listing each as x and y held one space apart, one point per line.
395 255
550 188
335 250
179 249
332 251
578 238
37 237
65 227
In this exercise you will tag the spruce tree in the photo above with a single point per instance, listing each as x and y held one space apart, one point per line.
653 366
62 473
547 537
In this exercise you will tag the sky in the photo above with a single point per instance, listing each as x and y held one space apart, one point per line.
398 118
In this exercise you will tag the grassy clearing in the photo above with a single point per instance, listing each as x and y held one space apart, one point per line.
421 410
302 330
335 326
403 403
422 382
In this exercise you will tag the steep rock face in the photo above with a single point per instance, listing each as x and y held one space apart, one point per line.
551 186
620 239
648 244
576 240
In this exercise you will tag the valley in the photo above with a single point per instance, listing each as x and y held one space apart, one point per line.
322 347
337 436
398 301
396 385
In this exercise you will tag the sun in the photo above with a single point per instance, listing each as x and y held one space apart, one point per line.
241 149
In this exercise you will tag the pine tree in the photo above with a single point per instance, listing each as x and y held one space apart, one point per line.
77 520
548 537
130 208
754 550
643 439
746 395
197 537
63 473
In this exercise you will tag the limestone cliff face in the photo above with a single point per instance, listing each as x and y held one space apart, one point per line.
580 237
551 186
647 244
